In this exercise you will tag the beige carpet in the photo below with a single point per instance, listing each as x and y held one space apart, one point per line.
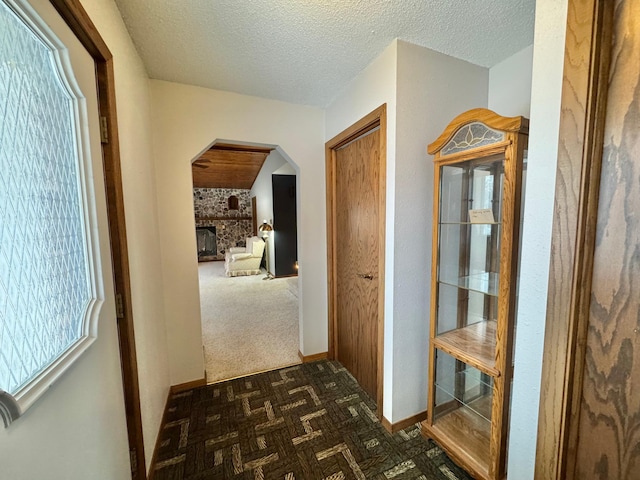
248 324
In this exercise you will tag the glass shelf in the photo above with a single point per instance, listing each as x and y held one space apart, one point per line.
463 402
475 375
480 406
468 256
468 387
470 223
459 307
485 282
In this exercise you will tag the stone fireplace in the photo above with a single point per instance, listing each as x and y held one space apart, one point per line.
230 226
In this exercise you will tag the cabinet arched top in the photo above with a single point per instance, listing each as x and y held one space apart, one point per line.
494 123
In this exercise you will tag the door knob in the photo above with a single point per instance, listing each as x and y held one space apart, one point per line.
366 276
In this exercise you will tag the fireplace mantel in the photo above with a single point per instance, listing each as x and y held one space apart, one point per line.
222 218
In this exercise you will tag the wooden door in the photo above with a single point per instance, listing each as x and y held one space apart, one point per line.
590 416
357 273
356 166
609 426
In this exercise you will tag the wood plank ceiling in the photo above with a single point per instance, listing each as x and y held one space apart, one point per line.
228 166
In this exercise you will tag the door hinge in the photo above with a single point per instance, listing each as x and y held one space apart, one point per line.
119 306
104 130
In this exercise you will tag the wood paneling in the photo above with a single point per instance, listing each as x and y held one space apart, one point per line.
228 166
584 96
357 177
376 119
608 439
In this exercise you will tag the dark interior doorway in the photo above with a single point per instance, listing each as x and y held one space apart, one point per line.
285 225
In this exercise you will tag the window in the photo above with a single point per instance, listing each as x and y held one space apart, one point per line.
48 290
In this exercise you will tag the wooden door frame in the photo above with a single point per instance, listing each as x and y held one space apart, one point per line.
81 25
377 118
582 121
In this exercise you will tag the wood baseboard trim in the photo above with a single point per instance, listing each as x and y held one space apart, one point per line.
402 424
201 382
313 358
154 456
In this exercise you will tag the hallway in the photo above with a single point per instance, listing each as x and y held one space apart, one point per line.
307 422
248 325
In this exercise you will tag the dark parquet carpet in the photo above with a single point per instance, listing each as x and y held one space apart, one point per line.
306 422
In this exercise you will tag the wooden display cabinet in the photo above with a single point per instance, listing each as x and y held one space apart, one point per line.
478 188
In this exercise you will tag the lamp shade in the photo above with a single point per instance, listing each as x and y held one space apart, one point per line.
265 227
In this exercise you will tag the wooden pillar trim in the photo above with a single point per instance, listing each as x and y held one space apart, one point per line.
81 25
584 95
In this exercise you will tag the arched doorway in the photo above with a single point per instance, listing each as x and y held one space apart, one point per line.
247 325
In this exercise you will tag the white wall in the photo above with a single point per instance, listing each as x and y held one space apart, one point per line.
548 55
286 169
78 430
510 84
432 89
138 182
373 87
186 120
415 83
262 189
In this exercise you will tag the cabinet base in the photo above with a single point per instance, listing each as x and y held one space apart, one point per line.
474 457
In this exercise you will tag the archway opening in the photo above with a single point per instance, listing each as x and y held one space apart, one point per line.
246 218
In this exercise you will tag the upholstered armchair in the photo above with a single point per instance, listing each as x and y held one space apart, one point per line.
244 260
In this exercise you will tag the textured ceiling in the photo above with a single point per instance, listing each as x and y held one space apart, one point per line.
306 51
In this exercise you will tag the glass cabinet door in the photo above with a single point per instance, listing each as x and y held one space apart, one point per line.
478 161
469 227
